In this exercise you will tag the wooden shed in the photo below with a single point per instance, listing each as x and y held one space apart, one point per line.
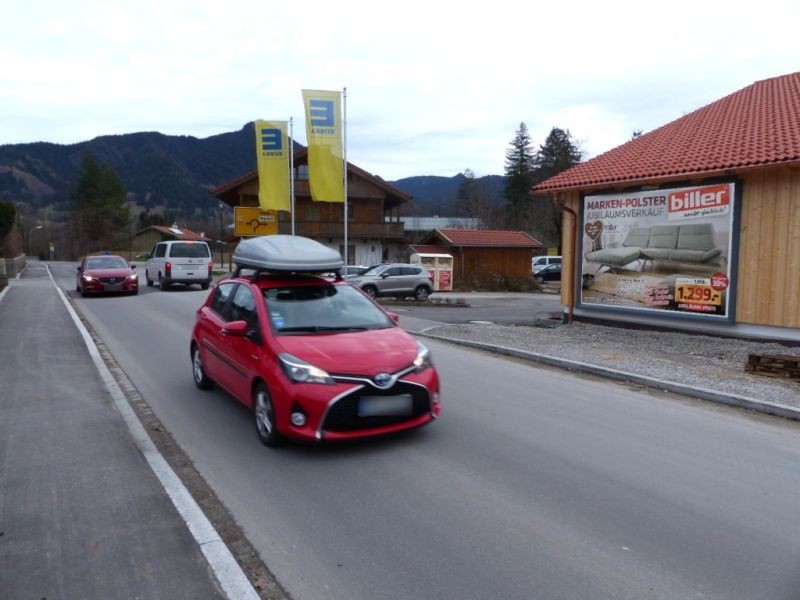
695 224
477 253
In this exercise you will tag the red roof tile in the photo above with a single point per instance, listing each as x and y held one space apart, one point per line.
757 126
185 234
472 237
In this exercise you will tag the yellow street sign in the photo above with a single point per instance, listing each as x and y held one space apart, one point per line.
252 221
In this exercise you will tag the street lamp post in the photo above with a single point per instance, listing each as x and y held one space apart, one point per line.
30 233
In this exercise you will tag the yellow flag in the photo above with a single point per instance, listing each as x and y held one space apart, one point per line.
325 150
272 148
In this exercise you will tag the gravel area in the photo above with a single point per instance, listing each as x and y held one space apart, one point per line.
695 360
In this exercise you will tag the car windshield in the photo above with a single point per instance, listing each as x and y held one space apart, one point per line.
322 309
188 250
376 270
106 262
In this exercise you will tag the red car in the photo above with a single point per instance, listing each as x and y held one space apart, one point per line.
106 273
313 357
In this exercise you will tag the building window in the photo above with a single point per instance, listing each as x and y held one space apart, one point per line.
302 172
311 212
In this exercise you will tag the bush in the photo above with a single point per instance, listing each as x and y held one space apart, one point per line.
497 282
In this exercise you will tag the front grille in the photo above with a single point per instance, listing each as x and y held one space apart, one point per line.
343 415
111 279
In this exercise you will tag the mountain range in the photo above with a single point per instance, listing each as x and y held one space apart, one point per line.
174 174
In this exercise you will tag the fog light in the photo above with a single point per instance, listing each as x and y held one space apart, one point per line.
298 419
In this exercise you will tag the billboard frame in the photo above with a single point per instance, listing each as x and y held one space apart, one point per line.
666 315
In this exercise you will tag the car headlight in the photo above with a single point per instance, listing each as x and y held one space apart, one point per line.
423 359
133 277
300 371
87 278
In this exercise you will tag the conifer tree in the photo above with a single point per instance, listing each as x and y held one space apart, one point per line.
519 171
101 214
558 153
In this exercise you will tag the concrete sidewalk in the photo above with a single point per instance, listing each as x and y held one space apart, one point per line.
82 513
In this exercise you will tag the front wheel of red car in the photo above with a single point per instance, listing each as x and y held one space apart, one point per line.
201 380
264 413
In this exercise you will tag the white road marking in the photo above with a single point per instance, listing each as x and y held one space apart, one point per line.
227 571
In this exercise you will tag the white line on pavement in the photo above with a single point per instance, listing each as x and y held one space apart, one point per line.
227 571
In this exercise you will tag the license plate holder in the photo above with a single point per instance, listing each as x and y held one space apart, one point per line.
401 405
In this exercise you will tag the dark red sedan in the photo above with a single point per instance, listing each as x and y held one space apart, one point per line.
313 357
106 273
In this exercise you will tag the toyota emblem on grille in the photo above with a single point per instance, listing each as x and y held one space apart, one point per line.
382 380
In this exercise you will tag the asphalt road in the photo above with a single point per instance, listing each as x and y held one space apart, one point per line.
535 483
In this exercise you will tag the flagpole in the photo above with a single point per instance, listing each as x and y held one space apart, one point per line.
344 170
291 168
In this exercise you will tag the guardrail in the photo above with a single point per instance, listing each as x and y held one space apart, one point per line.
11 266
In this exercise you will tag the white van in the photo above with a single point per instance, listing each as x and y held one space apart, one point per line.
540 262
175 261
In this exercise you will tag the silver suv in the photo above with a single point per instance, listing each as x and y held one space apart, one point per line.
398 280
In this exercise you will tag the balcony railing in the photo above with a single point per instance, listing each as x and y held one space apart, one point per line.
323 229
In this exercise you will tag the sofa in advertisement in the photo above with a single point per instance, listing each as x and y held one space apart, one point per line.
665 250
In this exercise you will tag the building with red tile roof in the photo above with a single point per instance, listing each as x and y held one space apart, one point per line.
483 253
145 239
748 141
754 128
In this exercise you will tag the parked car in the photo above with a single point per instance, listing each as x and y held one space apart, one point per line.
175 261
551 272
354 270
398 280
540 262
106 273
313 357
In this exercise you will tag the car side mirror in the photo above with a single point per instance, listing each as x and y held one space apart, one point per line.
133 266
80 269
394 317
239 328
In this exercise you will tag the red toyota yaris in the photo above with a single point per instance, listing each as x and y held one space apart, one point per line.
314 357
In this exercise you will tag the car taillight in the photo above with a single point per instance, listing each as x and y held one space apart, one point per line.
210 268
167 269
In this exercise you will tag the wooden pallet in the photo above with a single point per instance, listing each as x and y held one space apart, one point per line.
774 365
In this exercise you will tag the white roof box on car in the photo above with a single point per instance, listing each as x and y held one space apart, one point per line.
286 253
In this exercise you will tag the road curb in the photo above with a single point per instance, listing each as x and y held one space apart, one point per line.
229 574
709 395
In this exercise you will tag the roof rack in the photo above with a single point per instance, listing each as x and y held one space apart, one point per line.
258 273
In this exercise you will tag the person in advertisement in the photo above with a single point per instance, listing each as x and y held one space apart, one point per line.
660 250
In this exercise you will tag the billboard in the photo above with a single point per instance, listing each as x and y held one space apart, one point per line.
666 251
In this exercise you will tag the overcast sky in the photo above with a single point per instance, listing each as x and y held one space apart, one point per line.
433 87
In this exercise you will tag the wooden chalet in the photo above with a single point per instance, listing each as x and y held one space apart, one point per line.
479 253
374 233
747 143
